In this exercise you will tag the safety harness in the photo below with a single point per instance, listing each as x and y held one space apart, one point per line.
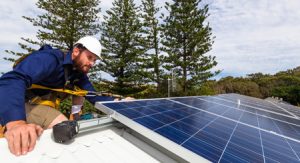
69 88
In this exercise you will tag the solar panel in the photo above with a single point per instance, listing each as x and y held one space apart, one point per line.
216 128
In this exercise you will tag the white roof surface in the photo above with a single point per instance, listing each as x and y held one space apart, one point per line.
103 145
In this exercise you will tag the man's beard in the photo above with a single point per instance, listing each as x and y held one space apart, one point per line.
78 65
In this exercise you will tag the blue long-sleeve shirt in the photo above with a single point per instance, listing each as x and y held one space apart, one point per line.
44 67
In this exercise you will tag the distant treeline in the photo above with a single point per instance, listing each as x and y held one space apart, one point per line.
285 85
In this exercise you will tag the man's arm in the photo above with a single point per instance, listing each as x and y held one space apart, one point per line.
85 84
21 136
77 103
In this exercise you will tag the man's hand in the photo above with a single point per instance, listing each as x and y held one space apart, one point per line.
21 137
125 99
128 98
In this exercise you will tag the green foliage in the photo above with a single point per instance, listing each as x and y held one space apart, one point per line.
238 85
206 88
65 106
61 24
288 93
186 39
152 60
121 37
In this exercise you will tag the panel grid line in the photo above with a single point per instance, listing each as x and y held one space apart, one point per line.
262 147
176 121
137 107
199 130
155 114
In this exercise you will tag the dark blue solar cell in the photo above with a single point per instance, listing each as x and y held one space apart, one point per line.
233 114
190 110
220 129
270 153
225 123
146 110
203 149
173 134
269 160
131 104
149 122
163 118
230 158
222 102
272 142
174 105
277 148
246 108
229 104
152 102
218 109
130 113
250 119
162 108
186 128
267 124
197 121
247 143
285 119
115 106
187 112
287 130
214 140
243 153
295 146
176 114
195 102
204 115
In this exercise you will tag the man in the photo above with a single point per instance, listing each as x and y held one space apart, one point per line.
46 67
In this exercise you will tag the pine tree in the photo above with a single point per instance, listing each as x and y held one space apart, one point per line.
61 24
121 38
152 59
187 37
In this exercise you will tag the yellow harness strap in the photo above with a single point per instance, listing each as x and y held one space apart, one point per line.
2 131
77 92
38 101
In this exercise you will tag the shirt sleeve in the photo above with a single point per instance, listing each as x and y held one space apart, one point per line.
36 67
87 85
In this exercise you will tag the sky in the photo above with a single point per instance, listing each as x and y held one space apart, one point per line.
251 36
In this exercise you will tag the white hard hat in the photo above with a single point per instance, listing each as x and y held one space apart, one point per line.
91 44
